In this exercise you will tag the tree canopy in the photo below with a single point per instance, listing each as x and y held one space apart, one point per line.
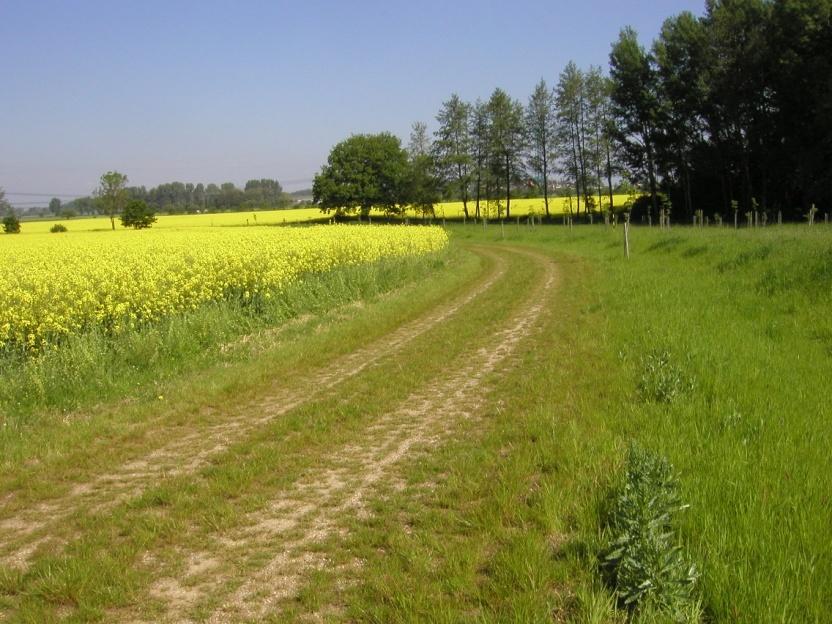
112 194
362 172
137 215
732 108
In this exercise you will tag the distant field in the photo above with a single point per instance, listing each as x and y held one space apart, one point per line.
519 208
264 217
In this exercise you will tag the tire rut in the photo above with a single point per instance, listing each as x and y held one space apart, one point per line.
26 531
313 509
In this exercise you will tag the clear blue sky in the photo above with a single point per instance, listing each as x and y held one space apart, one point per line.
226 91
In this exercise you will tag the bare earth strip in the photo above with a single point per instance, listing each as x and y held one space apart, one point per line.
313 509
185 453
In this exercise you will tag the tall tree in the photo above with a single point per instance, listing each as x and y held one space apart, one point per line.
453 146
480 149
419 143
741 105
571 127
506 140
680 54
636 108
112 194
540 132
55 206
600 131
800 77
4 205
422 186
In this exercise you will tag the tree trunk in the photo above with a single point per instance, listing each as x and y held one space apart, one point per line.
609 176
463 190
508 187
598 165
479 189
575 169
582 151
545 181
651 174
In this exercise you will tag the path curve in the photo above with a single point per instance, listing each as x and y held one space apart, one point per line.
295 522
26 530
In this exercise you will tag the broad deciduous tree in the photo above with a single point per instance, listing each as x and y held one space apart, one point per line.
362 172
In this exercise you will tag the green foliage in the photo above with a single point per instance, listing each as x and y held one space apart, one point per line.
641 205
11 224
362 172
453 147
540 123
112 194
58 227
643 560
506 143
635 107
4 205
662 380
137 215
186 197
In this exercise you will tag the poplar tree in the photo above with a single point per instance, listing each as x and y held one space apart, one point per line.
506 140
599 142
480 129
453 146
569 98
540 133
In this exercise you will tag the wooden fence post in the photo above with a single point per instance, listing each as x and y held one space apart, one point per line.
627 235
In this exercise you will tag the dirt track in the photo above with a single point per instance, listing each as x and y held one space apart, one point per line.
310 510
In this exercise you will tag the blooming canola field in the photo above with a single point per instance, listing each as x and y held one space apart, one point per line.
52 285
523 207
520 207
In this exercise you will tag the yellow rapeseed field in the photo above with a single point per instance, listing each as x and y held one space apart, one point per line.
520 207
54 285
523 207
219 219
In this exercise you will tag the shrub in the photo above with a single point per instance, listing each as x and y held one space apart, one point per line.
138 215
58 227
662 381
642 559
11 224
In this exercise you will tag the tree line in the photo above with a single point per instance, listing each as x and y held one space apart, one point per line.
725 112
484 154
182 197
731 110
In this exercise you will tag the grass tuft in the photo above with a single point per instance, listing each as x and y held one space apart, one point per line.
662 379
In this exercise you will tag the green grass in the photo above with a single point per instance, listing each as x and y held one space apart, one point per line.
101 573
66 398
711 348
741 319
